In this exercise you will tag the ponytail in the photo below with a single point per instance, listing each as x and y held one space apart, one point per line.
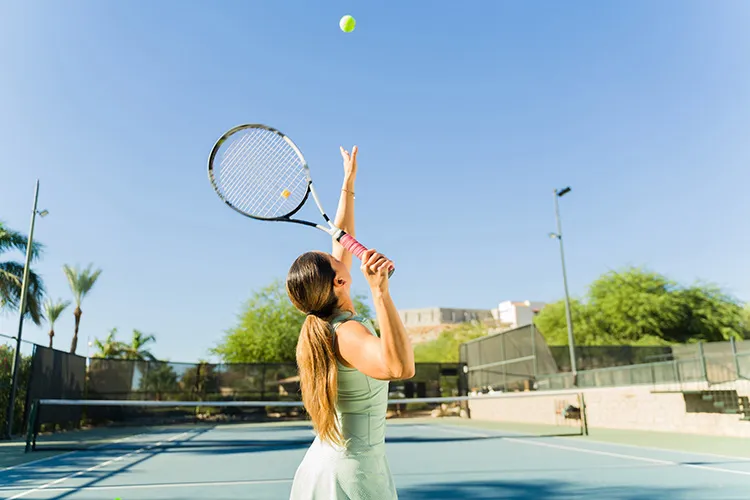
318 375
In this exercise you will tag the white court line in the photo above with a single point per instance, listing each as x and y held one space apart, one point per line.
167 485
671 450
90 469
40 460
37 461
596 452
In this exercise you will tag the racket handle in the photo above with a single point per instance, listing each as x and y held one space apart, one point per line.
355 247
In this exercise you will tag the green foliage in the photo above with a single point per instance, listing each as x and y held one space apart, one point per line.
111 348
53 310
6 364
11 276
268 328
81 282
137 350
638 307
200 380
160 380
444 349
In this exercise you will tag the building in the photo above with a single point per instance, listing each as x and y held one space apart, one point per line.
428 323
436 316
516 314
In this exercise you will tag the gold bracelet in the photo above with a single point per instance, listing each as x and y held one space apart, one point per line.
347 191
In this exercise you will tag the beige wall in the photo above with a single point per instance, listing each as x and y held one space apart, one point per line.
433 316
635 407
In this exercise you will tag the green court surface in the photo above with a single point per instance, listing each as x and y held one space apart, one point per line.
431 458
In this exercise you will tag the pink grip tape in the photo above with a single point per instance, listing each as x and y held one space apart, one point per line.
352 245
355 247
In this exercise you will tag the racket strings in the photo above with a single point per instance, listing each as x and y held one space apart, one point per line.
261 174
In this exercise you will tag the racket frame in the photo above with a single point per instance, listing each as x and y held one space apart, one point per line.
335 232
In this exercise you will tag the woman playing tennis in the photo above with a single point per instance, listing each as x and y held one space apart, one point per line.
345 367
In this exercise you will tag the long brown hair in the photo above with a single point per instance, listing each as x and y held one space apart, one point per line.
309 284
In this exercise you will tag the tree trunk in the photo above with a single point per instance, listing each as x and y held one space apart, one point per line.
51 336
74 343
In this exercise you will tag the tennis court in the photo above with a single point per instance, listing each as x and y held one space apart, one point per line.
435 458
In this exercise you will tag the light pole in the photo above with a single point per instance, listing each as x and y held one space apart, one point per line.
558 193
21 311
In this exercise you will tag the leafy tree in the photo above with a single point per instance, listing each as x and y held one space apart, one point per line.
160 379
445 348
81 283
53 310
137 349
11 276
200 380
110 348
268 328
6 361
639 307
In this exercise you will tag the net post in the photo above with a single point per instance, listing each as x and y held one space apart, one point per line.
29 386
584 418
31 426
533 351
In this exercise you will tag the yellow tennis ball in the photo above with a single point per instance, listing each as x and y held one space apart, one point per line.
285 193
347 24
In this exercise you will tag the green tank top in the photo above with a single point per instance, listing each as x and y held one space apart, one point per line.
362 400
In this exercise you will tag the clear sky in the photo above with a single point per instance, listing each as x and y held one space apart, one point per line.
467 116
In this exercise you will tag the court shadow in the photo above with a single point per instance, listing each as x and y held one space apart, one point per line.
530 490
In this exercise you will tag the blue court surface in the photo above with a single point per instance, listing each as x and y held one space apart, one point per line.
430 460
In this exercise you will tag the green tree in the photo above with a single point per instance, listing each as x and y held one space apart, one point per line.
137 350
110 348
445 348
6 361
268 328
81 283
160 379
639 307
200 380
11 276
53 310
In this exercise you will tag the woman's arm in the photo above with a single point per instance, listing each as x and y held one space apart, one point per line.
345 213
390 357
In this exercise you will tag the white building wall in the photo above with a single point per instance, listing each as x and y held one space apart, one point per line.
518 314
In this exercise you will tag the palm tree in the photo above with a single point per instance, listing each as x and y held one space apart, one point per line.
53 310
110 348
11 276
81 283
136 350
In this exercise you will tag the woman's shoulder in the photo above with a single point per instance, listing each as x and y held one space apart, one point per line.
346 316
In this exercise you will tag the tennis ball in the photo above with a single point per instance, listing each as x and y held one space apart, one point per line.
347 24
285 193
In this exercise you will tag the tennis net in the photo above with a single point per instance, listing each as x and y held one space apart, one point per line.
128 424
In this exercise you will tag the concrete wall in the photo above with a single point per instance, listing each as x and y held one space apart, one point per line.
635 407
433 316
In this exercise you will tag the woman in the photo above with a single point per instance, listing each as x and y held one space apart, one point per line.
345 367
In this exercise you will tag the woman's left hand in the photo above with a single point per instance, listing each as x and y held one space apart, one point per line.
350 163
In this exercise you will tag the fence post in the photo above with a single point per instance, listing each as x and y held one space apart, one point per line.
735 357
533 351
704 366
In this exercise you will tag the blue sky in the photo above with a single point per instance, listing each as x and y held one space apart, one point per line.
467 116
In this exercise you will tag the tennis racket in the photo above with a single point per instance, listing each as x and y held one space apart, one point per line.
259 172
